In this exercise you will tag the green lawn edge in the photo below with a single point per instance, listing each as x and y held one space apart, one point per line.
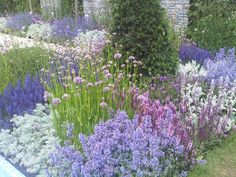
221 160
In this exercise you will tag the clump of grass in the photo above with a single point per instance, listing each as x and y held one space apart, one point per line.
18 62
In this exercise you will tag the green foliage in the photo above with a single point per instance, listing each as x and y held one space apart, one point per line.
31 141
85 100
213 23
221 160
13 6
16 63
142 28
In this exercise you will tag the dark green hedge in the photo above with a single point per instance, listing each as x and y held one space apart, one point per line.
142 28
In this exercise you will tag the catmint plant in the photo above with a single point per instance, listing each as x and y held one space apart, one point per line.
121 147
20 21
223 65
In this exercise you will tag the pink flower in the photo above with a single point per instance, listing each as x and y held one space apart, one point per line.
117 56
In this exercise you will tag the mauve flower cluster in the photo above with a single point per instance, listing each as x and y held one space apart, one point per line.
20 21
189 52
223 65
164 118
68 28
121 147
22 98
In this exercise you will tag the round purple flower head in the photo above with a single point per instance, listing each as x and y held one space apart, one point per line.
117 56
56 101
78 80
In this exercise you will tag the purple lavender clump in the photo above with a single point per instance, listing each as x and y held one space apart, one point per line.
20 21
68 28
21 98
121 147
223 65
189 52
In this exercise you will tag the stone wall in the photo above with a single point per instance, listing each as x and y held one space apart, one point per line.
176 10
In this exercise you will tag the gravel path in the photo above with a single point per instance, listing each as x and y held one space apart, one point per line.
8 41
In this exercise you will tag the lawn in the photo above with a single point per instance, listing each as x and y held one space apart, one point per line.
221 161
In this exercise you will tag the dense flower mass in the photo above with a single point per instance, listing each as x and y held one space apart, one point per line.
121 147
68 28
189 52
223 65
21 98
164 118
20 21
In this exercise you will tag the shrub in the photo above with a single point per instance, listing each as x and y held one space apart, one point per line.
31 141
121 147
189 52
22 98
3 24
17 62
143 30
212 24
40 31
223 65
91 42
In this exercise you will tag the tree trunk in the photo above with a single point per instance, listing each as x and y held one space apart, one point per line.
30 6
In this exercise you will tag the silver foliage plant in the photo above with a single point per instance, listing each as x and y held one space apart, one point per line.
31 141
209 113
3 24
40 31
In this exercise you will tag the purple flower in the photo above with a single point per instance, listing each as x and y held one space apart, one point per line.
119 147
117 56
19 21
223 65
189 52
56 101
21 98
78 80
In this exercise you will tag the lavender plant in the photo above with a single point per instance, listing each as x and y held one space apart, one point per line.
68 28
31 141
189 52
22 98
223 65
20 21
121 147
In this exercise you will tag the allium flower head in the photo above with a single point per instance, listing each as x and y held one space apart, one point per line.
118 56
56 101
78 80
